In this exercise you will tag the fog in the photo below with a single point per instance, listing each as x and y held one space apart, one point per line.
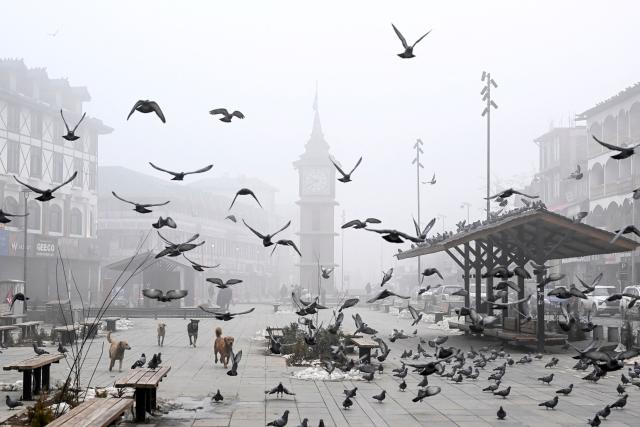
550 59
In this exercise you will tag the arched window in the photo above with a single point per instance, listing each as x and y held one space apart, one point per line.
33 220
55 218
76 222
610 130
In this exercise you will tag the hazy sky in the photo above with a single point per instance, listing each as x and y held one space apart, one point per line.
551 59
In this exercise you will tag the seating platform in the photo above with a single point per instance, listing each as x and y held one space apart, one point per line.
95 413
35 369
145 381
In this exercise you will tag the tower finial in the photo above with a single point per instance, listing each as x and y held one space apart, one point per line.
315 99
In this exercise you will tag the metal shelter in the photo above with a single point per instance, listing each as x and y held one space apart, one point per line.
517 237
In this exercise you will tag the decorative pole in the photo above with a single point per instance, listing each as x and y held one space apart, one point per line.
25 194
418 147
344 219
466 205
486 96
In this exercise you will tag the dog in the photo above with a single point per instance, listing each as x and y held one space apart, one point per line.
192 330
162 327
116 351
224 346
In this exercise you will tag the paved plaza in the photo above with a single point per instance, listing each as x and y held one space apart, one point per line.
185 395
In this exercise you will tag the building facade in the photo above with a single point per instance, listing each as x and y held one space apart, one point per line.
200 207
32 149
605 190
317 191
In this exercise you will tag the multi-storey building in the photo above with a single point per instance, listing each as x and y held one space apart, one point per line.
32 149
605 189
199 207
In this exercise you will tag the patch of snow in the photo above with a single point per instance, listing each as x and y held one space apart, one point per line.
11 386
315 373
60 408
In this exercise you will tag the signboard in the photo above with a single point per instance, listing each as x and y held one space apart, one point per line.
45 247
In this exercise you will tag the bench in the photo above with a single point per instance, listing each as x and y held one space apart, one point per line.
145 381
66 334
90 328
29 329
10 319
438 316
39 367
95 413
111 323
276 333
522 337
6 328
364 345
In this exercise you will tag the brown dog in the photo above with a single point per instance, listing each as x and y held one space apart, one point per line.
224 346
116 351
162 327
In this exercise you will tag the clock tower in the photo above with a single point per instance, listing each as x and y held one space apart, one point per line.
317 203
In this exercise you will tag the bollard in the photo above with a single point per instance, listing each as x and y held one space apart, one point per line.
598 333
613 334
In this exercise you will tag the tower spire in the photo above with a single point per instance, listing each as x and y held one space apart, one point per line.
316 146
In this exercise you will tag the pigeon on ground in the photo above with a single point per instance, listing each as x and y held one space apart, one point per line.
146 106
605 412
595 422
550 404
179 176
61 348
408 51
226 115
503 393
403 385
282 421
218 396
12 403
546 379
380 397
154 362
620 403
71 135
426 392
347 403
46 195
501 413
565 391
279 391
244 192
620 389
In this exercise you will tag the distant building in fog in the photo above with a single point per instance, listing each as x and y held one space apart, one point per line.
605 190
197 207
32 148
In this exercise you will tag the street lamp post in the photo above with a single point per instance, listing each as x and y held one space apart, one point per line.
468 206
418 147
442 217
342 255
486 96
25 194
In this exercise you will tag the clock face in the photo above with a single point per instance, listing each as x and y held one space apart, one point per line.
316 181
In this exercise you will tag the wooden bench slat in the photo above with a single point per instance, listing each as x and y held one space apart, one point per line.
98 412
143 378
34 362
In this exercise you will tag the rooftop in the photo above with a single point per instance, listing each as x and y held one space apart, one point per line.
623 95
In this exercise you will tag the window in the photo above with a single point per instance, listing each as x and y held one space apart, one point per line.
55 219
13 118
58 166
36 125
78 165
76 222
35 154
33 220
13 157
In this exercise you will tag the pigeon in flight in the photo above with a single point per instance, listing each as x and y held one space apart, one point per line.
626 230
594 283
46 195
346 177
417 317
244 192
18 297
225 316
4 216
222 284
199 267
408 50
266 238
426 392
226 116
162 297
395 236
430 272
179 176
624 152
71 136
385 294
386 276
286 242
422 235
357 224
146 106
140 207
231 218
326 272
164 222
235 359
175 249
433 180
577 218
505 194
577 174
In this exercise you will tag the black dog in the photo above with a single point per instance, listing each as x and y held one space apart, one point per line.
192 330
